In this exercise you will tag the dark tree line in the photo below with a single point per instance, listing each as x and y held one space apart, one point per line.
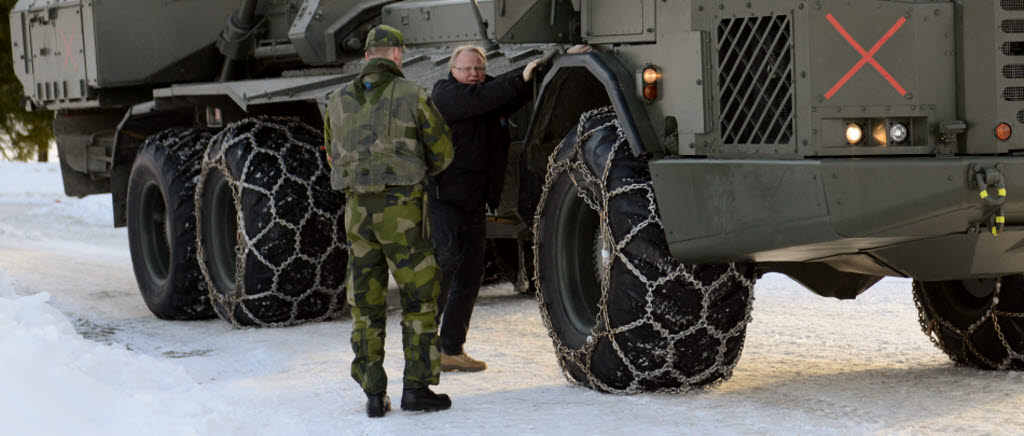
23 135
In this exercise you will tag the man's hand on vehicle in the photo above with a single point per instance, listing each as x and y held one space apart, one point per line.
529 70
578 49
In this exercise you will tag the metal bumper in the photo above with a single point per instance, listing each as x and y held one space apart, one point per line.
915 217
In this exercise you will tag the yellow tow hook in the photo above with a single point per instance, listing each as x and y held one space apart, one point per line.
988 179
996 221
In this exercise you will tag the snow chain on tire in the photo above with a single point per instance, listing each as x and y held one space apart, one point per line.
290 245
989 338
680 351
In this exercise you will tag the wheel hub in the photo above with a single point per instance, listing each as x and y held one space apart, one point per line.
223 224
602 254
980 288
155 232
583 253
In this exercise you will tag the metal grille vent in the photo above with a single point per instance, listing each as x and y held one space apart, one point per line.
755 80
1014 93
1013 26
1012 5
1013 48
1013 71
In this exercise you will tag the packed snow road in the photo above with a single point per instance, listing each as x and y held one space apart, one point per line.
83 355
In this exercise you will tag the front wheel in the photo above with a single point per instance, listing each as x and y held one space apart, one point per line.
624 315
977 322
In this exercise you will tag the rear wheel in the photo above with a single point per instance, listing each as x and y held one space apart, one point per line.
977 323
161 224
624 315
272 244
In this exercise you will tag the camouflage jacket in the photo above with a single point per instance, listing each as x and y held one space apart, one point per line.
382 130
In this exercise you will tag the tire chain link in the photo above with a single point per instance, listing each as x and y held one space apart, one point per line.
214 160
576 167
1013 359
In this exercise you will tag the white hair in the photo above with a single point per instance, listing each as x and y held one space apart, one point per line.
458 50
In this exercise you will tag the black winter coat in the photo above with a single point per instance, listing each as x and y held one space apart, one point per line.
477 114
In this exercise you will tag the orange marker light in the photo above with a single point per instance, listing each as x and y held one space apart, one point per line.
651 75
651 92
1004 132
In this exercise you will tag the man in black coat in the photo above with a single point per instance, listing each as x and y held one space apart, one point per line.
476 107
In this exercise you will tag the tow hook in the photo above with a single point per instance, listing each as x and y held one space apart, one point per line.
990 179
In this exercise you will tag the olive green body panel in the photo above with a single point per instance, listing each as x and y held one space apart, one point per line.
992 69
67 49
617 21
900 215
324 32
531 21
784 78
438 21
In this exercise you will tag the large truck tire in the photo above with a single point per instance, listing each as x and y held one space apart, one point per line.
272 244
162 226
977 323
624 315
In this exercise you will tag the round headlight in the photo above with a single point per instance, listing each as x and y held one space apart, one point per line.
898 133
854 133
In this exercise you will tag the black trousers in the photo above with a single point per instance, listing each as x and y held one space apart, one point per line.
459 238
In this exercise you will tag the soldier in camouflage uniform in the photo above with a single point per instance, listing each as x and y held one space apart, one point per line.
384 136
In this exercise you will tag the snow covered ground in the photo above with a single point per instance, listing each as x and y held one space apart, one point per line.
81 354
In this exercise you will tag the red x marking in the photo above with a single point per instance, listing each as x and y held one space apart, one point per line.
868 56
67 49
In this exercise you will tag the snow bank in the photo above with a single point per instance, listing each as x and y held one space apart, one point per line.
36 208
29 179
56 382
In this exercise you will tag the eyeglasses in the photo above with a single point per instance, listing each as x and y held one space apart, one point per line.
468 69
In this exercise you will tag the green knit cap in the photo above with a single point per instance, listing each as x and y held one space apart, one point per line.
384 36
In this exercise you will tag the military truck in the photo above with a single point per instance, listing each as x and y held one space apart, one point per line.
700 145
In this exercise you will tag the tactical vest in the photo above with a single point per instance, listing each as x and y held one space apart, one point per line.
375 136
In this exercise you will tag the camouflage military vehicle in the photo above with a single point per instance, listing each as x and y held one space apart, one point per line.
700 145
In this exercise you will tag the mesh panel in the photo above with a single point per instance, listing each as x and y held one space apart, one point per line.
1014 93
1013 26
1013 71
1013 48
1012 5
755 67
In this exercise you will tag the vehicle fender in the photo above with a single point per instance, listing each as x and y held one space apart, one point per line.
140 121
575 84
568 90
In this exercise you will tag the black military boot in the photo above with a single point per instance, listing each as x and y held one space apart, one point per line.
377 404
424 400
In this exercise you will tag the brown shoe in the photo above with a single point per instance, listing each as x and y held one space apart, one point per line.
461 362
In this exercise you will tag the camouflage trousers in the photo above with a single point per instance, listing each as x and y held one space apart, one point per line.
386 231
